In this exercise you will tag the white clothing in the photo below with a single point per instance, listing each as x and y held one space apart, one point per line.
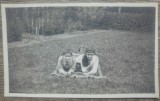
92 67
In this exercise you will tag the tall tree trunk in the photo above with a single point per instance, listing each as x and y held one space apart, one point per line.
119 10
36 30
28 22
42 21
32 27
47 14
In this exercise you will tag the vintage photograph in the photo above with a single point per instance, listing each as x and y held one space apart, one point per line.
81 50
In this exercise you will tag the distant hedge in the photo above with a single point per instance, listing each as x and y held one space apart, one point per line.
118 21
121 21
126 21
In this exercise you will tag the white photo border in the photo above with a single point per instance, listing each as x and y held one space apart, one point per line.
5 51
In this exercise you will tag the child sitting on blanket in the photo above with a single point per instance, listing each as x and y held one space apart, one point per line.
66 63
89 62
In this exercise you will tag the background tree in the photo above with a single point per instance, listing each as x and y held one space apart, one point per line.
58 20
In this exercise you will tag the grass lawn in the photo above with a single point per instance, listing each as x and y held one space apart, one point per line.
126 58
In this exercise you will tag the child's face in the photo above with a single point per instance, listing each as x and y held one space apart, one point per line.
67 56
89 55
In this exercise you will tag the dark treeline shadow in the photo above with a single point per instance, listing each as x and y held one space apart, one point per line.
58 20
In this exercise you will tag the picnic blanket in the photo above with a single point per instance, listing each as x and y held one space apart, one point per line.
80 74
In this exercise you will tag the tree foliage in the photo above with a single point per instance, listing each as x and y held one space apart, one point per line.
58 20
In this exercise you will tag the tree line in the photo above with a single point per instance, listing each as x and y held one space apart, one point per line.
59 20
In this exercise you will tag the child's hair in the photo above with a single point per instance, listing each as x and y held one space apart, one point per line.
85 60
67 51
90 50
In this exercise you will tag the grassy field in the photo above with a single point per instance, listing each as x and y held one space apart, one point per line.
126 58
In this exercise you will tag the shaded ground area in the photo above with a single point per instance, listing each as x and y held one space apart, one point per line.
126 58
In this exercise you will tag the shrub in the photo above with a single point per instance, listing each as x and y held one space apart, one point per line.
126 21
74 26
120 21
52 28
14 31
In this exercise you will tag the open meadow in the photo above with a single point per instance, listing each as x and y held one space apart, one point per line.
126 59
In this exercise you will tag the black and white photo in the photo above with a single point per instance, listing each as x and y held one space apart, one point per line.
81 50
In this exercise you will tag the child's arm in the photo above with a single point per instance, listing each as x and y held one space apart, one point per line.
60 66
62 71
73 66
93 65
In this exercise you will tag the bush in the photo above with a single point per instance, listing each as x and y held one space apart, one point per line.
126 21
52 28
14 31
120 21
74 26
